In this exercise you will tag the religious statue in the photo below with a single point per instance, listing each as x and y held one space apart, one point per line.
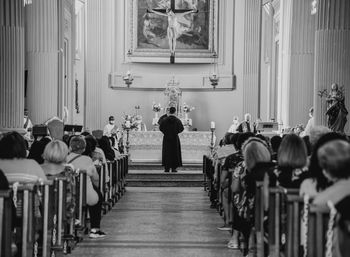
174 30
336 110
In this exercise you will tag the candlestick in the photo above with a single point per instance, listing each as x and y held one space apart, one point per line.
212 125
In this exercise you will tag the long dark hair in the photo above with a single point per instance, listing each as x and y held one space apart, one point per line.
105 145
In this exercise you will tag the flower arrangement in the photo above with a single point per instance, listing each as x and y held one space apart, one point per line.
130 122
186 108
156 107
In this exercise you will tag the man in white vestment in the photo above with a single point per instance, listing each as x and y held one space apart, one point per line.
27 125
111 130
234 126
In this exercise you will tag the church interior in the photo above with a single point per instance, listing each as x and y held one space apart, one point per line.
174 128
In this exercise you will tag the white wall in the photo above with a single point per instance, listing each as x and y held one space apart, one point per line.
218 106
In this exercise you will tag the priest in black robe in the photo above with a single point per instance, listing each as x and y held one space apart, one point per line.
171 126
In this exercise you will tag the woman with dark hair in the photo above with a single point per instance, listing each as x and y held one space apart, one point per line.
275 144
105 145
37 149
13 160
316 181
292 160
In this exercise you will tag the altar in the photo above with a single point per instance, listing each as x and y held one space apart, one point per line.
146 146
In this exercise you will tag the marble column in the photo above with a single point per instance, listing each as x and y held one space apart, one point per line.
332 52
11 65
42 55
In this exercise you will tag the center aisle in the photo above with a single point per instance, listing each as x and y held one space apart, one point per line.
164 222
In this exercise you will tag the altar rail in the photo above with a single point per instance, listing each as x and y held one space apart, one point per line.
39 219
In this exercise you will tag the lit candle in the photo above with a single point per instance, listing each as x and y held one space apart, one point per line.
212 125
127 124
128 73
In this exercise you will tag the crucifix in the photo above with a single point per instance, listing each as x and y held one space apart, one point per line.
174 28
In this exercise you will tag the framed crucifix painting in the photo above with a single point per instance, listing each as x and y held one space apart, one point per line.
175 31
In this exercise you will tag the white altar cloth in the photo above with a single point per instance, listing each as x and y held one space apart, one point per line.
146 146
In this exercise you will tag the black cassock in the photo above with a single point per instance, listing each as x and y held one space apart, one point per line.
171 126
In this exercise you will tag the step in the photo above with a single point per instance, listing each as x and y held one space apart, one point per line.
164 176
158 166
181 179
152 183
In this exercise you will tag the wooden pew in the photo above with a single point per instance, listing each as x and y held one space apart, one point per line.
62 239
318 219
205 183
81 205
125 170
219 196
5 223
259 219
277 217
23 199
104 188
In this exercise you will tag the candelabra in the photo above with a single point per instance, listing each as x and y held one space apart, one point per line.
212 143
127 143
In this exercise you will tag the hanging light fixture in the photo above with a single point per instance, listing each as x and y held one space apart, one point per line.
214 78
128 79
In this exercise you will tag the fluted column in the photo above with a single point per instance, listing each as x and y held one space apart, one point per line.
302 47
332 52
94 52
42 59
251 57
11 65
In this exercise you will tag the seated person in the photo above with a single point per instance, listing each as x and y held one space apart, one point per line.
334 159
37 149
55 165
55 158
105 144
93 195
275 144
234 125
13 160
316 181
292 161
247 125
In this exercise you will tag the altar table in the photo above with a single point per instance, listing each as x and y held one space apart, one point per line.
146 146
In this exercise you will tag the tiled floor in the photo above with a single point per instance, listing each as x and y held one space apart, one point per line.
162 222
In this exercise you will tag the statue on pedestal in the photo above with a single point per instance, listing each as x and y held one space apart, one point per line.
336 110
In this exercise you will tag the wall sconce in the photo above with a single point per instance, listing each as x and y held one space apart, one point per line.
214 78
128 79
